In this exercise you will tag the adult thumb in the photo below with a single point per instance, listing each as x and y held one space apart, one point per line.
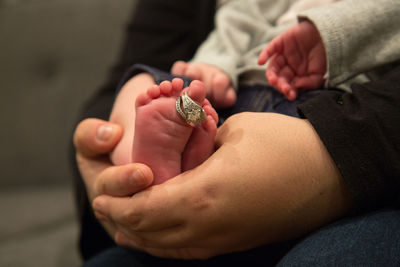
94 137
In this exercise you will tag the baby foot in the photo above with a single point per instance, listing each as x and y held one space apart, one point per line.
161 134
218 85
201 143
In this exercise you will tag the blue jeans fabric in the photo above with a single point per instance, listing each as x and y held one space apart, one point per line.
262 98
261 256
369 240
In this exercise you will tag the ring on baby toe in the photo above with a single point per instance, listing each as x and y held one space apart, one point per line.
191 112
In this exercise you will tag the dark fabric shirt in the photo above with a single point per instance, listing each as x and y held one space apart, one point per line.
362 134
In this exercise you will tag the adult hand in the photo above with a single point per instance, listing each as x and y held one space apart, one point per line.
297 60
93 140
271 179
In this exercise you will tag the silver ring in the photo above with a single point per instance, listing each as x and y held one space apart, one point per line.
192 112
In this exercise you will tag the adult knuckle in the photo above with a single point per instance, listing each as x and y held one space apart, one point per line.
201 199
131 217
103 181
100 186
141 242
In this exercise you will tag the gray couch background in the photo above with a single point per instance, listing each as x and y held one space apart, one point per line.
53 55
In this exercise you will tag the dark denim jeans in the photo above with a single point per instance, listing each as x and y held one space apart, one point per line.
368 240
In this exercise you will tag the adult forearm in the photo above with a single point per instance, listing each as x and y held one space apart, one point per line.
301 184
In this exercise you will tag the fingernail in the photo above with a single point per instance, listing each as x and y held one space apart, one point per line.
137 177
104 132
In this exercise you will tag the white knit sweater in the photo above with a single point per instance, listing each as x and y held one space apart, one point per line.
360 36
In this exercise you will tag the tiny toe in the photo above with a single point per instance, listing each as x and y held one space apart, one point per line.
177 85
197 91
142 99
154 91
206 102
210 111
210 125
165 88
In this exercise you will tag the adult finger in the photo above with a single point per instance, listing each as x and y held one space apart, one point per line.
176 236
94 137
123 180
149 210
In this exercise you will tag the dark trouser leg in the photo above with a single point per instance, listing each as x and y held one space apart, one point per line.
259 257
368 240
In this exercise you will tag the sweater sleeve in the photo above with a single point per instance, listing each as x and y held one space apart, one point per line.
238 25
359 35
361 132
